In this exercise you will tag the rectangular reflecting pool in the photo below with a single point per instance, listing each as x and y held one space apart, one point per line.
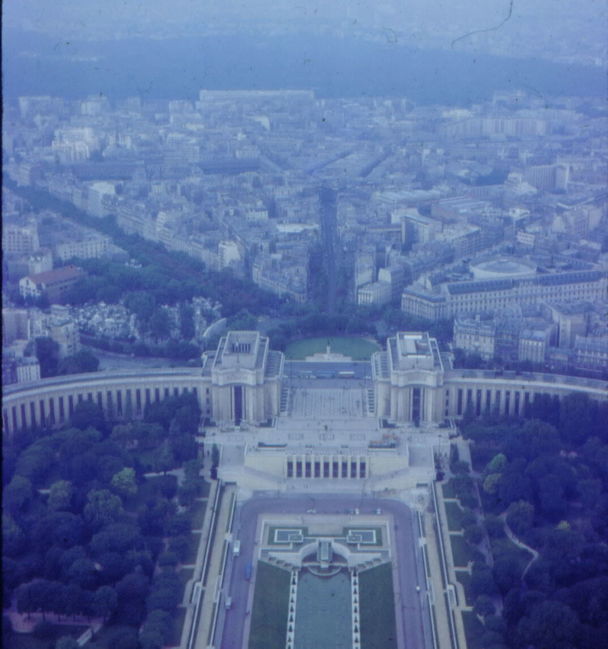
323 612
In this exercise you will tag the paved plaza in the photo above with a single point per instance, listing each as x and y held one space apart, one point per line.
327 402
413 623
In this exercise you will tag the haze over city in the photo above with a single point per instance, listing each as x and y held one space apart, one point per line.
305 324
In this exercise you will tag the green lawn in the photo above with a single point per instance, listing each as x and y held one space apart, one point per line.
178 624
269 615
378 627
465 579
198 514
359 349
462 551
194 542
185 574
454 514
473 630
448 490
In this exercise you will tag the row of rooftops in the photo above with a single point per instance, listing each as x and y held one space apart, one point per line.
557 279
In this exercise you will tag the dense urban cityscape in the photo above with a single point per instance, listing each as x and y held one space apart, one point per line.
288 366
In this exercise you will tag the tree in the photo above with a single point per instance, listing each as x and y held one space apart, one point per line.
165 593
187 418
17 495
88 414
116 537
66 642
102 508
549 625
61 528
132 591
551 497
13 539
514 485
142 303
167 486
159 324
186 321
105 601
47 352
75 600
574 418
484 606
496 464
180 545
473 534
82 361
158 622
125 638
60 495
482 581
520 517
124 482
123 434
33 463
491 483
164 459
83 573
151 640
507 572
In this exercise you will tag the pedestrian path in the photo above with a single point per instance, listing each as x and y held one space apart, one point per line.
211 583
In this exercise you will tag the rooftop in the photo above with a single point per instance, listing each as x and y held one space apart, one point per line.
57 275
242 349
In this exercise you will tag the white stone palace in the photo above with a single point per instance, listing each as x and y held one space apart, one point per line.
283 424
242 382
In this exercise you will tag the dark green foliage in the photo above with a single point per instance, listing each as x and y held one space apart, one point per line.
168 559
553 489
473 534
116 537
165 593
549 625
82 361
105 601
47 352
17 495
66 642
507 572
183 408
88 414
180 545
484 605
482 580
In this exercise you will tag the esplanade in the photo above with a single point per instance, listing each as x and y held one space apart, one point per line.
245 383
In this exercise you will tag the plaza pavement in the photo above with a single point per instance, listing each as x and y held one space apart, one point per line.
413 623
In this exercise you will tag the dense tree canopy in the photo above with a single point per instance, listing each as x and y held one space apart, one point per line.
546 476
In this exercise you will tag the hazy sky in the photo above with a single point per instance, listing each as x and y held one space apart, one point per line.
102 14
564 26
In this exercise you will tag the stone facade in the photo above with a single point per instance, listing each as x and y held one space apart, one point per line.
241 383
